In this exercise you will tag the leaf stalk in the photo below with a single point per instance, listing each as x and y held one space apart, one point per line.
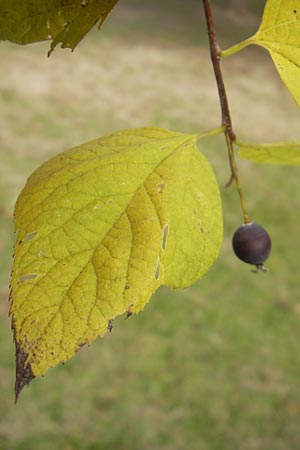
210 133
235 48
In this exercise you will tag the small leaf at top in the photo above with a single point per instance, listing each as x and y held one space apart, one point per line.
65 21
281 153
279 33
100 228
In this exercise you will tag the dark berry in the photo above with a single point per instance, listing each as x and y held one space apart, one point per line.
252 244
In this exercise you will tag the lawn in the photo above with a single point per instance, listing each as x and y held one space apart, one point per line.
212 367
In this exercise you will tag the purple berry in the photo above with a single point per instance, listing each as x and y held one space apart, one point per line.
252 244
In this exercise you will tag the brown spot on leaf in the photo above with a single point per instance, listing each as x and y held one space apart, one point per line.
110 325
80 345
24 373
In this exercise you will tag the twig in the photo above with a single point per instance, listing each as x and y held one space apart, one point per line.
215 54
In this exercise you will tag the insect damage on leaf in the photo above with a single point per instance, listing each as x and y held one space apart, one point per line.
62 22
101 227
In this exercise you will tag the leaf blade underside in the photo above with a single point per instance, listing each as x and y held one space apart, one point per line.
281 153
62 21
100 228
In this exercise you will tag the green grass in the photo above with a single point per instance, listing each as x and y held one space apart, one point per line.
212 367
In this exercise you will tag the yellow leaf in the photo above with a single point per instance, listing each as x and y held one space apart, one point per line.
279 33
100 228
281 153
64 21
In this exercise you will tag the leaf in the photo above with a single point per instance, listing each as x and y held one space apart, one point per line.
279 33
281 153
100 228
65 21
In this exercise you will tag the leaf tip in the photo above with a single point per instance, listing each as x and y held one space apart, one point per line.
24 374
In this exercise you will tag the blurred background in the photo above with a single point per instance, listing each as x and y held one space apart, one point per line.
212 367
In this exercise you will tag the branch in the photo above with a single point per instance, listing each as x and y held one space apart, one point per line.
215 54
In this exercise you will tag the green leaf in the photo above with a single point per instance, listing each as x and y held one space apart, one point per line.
65 21
281 153
279 33
100 228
